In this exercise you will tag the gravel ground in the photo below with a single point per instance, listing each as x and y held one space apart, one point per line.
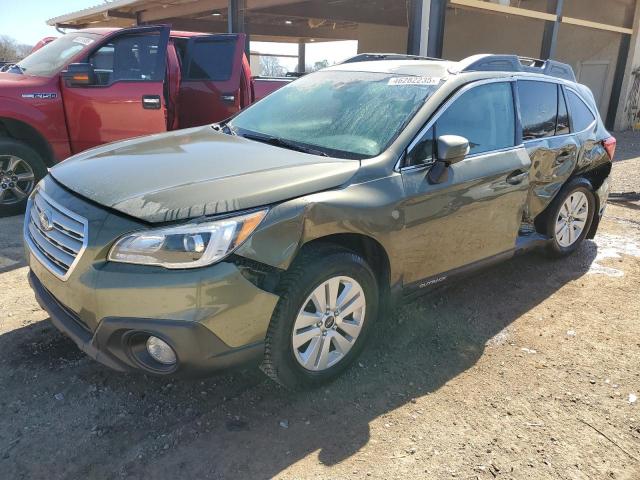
527 370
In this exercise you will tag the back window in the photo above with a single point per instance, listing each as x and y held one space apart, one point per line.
581 116
211 60
538 108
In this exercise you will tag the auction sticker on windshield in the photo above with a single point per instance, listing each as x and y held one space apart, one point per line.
414 81
83 40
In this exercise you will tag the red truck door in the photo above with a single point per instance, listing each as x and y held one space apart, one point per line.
126 98
214 86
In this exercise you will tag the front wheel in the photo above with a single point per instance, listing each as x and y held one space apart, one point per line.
328 305
21 167
571 214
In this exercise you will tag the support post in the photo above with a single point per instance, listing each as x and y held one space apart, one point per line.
550 36
415 27
237 24
437 12
302 54
618 80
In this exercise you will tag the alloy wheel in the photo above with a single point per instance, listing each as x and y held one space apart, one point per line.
572 219
329 323
16 179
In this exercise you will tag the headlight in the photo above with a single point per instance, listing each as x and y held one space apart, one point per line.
186 246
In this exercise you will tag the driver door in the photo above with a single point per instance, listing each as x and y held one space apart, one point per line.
475 212
126 99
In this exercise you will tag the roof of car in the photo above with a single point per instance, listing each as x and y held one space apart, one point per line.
496 64
431 68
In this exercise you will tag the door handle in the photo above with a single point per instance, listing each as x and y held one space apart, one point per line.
517 177
151 102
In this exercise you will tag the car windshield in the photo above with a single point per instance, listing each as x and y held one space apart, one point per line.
48 60
342 113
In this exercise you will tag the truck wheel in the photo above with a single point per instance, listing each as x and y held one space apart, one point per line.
327 307
21 168
570 216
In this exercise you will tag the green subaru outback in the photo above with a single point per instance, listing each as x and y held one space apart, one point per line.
282 234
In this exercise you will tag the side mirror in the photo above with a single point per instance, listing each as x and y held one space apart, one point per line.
79 75
451 149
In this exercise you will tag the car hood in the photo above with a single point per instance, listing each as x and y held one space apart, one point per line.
16 81
195 172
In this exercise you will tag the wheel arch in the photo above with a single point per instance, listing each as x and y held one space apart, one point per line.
19 130
367 247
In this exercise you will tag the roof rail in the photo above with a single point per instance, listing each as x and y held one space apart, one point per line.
370 57
514 63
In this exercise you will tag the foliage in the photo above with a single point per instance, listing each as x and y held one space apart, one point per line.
271 67
12 51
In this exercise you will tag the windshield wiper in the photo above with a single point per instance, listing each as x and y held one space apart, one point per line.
284 143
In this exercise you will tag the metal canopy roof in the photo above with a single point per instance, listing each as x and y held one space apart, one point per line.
279 20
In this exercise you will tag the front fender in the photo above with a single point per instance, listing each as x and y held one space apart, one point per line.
368 209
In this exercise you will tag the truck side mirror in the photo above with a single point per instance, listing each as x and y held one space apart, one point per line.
451 149
79 75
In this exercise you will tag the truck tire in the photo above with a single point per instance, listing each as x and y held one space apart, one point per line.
570 216
21 168
311 339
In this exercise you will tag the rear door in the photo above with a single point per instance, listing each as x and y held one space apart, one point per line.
127 98
547 137
212 77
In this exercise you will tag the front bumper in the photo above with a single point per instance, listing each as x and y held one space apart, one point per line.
199 350
213 317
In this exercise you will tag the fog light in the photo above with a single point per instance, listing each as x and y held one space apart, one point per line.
161 351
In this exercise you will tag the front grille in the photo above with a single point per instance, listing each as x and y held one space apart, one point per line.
56 236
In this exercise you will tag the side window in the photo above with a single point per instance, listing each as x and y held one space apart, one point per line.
538 108
128 57
562 126
581 116
424 151
211 60
483 115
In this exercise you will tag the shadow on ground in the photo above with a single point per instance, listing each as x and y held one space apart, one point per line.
232 425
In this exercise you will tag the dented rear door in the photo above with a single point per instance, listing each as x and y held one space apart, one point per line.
546 133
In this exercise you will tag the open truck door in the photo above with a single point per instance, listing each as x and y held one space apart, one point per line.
214 81
118 90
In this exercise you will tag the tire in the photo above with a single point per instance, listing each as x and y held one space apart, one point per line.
16 186
283 362
577 222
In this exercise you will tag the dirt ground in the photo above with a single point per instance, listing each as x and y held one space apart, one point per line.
529 370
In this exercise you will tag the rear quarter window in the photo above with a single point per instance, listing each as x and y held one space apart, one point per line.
581 116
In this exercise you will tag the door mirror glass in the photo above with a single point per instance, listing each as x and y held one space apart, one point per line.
452 148
79 75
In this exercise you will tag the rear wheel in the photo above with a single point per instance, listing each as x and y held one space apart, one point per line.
21 167
328 305
571 214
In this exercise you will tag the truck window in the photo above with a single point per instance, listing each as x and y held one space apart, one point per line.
50 59
211 60
129 58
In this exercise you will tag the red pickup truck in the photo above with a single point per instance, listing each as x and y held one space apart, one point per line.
100 85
